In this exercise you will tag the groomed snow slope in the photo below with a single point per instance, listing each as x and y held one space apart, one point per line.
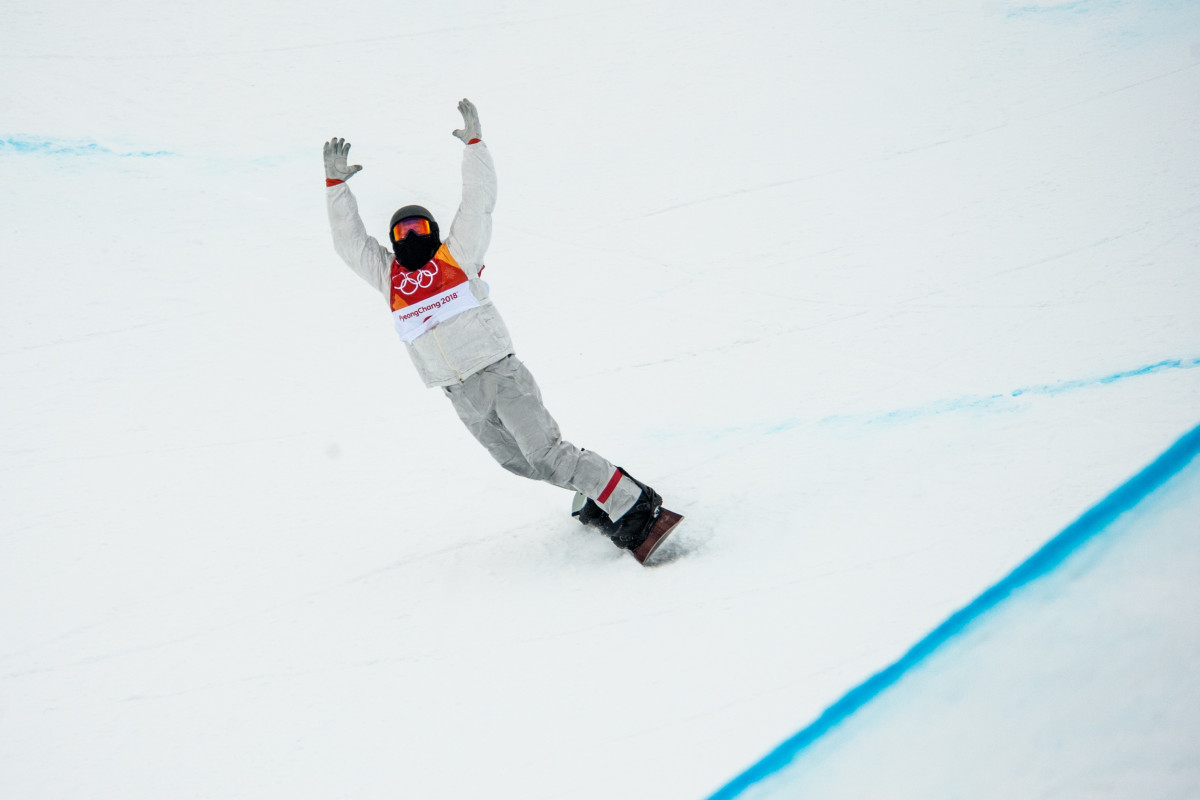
1073 676
880 296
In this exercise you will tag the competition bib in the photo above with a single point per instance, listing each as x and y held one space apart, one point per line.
434 293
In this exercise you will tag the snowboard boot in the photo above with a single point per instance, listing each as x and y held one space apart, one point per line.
632 529
587 512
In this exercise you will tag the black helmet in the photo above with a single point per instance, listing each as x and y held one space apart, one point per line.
408 212
414 250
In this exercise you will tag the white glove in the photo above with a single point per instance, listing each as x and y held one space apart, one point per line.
336 151
470 129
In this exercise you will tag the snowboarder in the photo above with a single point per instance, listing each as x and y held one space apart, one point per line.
459 343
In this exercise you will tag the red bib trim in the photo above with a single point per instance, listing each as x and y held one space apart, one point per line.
422 298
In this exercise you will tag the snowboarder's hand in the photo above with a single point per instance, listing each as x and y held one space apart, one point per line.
470 129
336 169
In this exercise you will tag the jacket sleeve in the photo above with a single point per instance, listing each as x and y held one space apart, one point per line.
363 253
471 230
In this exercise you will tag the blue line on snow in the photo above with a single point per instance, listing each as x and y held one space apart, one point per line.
28 146
1066 386
1044 561
991 401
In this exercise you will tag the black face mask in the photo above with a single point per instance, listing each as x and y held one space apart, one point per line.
414 251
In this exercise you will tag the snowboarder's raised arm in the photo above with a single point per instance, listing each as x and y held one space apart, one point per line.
471 230
353 244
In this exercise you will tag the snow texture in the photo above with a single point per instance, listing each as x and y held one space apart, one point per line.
1072 676
881 296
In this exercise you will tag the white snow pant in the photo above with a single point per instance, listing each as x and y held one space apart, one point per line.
502 407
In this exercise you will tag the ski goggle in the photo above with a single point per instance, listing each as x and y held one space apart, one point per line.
417 225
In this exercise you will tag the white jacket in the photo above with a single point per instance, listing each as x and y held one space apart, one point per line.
470 341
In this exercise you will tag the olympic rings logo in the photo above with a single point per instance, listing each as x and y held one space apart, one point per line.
411 282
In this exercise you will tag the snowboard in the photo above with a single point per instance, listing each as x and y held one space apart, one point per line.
663 524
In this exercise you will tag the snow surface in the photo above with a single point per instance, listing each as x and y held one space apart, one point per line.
880 295
1081 684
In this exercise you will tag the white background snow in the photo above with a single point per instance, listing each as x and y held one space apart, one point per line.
881 296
